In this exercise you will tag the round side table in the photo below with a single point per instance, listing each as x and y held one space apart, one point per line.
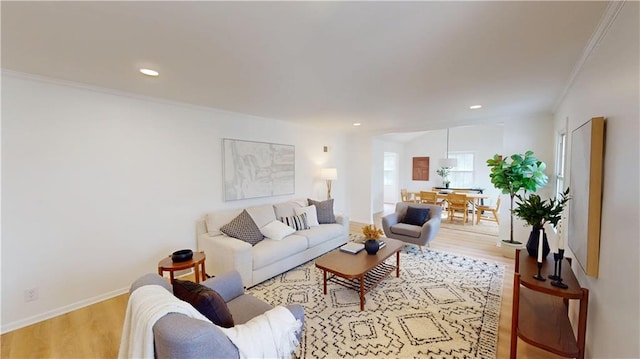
197 263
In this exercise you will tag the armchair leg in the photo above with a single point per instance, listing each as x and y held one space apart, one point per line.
421 251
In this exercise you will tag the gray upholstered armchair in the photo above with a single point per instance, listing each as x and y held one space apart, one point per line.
178 336
393 225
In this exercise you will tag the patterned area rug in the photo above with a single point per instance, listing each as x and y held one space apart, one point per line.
442 306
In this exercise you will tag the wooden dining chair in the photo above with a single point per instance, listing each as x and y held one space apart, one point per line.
458 203
429 197
491 209
405 196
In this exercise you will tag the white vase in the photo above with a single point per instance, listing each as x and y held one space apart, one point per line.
509 249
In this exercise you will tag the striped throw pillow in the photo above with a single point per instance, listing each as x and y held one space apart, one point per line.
298 222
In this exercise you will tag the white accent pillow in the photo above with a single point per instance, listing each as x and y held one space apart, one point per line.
276 230
262 214
312 215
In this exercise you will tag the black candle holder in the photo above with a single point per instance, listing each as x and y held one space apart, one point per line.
539 276
556 267
557 277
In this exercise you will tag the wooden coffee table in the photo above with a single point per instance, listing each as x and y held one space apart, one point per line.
362 271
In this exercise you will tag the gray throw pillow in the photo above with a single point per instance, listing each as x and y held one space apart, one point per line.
244 228
325 211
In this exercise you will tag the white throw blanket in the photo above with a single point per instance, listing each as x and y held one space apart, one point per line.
146 305
269 335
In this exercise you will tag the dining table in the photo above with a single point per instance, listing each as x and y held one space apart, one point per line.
474 199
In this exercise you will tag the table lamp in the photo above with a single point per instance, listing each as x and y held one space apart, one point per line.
329 174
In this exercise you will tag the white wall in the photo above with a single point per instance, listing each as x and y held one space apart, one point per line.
520 135
432 144
377 176
608 86
361 177
98 186
484 141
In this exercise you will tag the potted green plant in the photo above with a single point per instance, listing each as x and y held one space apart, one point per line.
536 213
516 173
444 173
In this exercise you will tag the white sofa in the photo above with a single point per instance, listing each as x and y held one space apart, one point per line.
269 257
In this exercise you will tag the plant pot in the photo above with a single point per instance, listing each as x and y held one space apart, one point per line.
509 249
533 242
446 185
371 246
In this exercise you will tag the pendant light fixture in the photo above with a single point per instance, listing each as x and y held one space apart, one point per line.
448 162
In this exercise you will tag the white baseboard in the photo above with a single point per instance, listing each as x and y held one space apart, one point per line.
74 306
62 310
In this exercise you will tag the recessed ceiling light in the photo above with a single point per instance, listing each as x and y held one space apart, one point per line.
150 72
475 107
356 123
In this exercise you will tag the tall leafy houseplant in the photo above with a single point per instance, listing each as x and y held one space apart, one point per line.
516 173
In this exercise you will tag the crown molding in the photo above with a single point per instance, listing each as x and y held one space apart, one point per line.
607 19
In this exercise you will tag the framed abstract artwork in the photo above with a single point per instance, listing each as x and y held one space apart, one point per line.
585 207
420 169
257 169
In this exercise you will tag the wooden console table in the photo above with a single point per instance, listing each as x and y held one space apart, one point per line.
540 310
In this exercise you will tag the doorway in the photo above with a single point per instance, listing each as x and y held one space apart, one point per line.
391 178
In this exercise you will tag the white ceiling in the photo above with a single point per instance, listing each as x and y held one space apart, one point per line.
393 66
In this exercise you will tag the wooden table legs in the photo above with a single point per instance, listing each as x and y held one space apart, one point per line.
360 287
362 293
325 281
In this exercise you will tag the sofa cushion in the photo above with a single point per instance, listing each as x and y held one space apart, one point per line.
312 214
406 230
296 222
215 220
416 216
276 230
246 307
262 215
205 300
244 228
322 233
269 251
287 209
324 210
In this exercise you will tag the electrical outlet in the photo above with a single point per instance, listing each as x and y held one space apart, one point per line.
30 294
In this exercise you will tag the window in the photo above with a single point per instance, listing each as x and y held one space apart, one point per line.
560 159
389 168
461 175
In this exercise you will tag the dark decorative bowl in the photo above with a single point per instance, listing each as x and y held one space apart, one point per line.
182 255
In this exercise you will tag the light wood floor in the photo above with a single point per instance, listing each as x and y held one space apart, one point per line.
94 331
